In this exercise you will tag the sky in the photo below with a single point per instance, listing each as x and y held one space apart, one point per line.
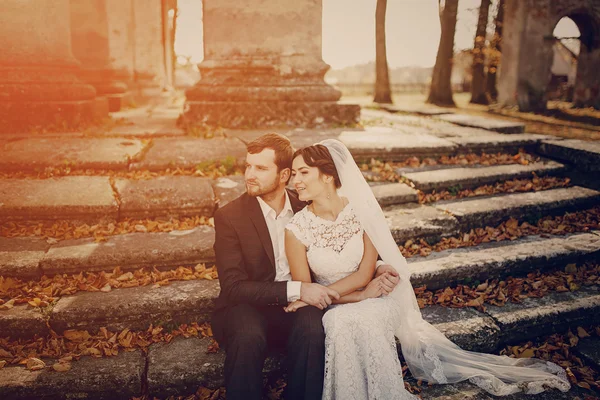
412 31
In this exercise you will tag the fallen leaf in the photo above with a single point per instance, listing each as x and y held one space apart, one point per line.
76 336
35 364
582 332
8 305
61 366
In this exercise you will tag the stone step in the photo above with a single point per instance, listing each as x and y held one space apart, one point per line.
470 177
118 153
184 301
84 198
167 367
388 194
585 155
93 198
501 259
28 258
415 221
94 153
402 142
490 211
421 110
466 140
492 124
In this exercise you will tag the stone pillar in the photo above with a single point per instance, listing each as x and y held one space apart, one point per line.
149 51
263 67
587 83
100 39
39 88
526 55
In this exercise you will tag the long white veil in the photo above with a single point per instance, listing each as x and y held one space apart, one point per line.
428 353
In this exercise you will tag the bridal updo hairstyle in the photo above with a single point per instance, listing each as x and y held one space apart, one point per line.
318 156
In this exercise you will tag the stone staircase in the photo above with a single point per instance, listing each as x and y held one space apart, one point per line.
107 195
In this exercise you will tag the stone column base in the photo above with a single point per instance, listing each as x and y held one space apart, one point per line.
256 114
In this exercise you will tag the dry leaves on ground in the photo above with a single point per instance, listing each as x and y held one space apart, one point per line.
64 230
74 344
386 171
40 293
511 186
498 292
558 348
209 169
580 221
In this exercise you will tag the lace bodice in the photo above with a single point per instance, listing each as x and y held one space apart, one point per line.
334 249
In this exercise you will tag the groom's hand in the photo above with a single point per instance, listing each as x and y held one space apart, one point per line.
317 295
391 278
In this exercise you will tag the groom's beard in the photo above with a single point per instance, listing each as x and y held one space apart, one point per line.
254 189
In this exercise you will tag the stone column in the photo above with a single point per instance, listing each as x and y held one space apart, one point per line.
149 51
526 54
587 83
100 35
39 88
263 67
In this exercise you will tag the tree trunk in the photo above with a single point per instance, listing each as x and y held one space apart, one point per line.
382 79
494 55
478 95
440 91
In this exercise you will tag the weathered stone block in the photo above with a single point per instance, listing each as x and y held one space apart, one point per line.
131 251
490 124
93 153
585 155
494 260
394 193
106 378
136 308
22 321
491 211
20 256
190 152
165 196
466 178
414 221
394 144
228 188
82 198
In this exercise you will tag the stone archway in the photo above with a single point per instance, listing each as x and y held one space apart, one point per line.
527 51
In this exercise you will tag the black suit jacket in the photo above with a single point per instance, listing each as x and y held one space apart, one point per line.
244 253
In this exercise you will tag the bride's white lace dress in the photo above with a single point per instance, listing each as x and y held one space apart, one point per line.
361 357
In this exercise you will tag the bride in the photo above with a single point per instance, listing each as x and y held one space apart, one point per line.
335 241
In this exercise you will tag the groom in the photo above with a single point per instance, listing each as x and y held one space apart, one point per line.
256 282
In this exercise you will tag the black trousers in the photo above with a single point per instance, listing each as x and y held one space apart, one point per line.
245 331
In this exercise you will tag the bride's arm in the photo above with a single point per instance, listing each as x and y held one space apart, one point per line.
346 287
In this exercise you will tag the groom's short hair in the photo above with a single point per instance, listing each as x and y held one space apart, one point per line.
279 143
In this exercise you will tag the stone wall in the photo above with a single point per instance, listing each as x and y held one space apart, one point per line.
527 51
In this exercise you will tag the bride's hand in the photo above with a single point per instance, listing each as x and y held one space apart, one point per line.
294 306
375 288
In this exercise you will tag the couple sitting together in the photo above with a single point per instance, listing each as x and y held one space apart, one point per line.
300 269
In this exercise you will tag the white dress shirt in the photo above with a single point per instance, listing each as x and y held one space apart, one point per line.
276 225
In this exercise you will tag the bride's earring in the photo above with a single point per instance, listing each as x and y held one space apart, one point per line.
328 196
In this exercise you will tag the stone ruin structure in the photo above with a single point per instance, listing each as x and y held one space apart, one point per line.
527 51
263 66
64 63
